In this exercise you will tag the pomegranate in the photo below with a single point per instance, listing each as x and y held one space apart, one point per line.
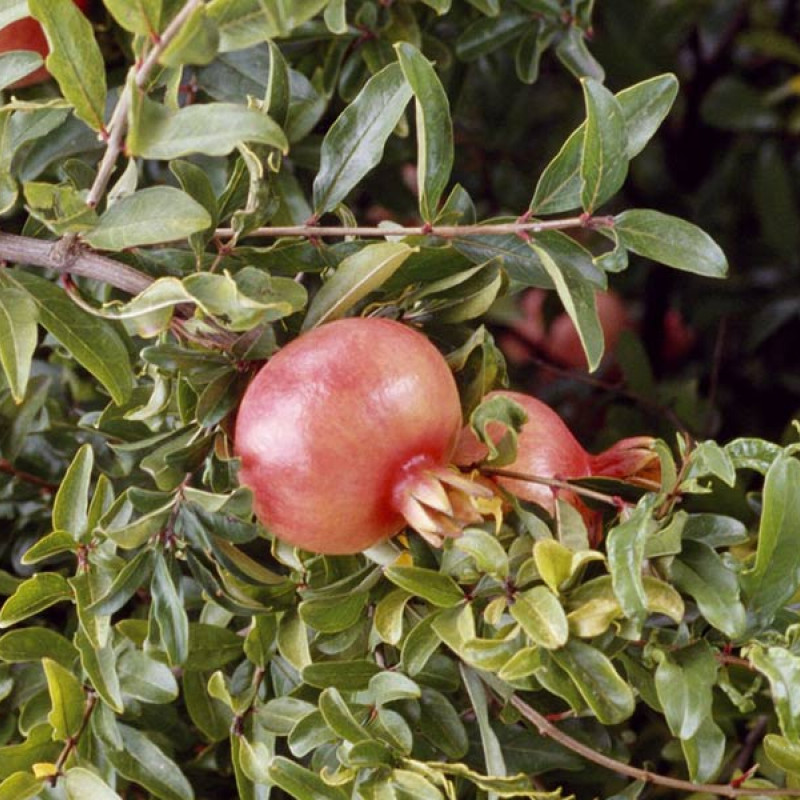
546 448
559 342
346 434
27 34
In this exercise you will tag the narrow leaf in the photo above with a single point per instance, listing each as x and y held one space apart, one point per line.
34 595
357 276
67 700
434 128
213 129
604 155
775 576
671 241
149 216
578 299
354 143
94 343
72 499
18 315
75 60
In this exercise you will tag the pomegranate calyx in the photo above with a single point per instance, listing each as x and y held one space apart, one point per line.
633 460
439 503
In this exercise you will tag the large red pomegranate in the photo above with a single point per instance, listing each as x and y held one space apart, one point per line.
546 448
345 436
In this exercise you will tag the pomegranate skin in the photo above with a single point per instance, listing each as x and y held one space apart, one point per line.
545 448
336 423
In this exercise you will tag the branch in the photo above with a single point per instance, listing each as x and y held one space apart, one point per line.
555 483
119 119
9 469
63 256
520 227
546 728
72 742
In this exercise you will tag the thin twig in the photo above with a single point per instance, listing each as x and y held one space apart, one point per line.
72 741
119 119
555 483
546 728
437 231
8 468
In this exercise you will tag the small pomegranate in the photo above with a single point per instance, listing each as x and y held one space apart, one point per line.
346 434
559 342
546 448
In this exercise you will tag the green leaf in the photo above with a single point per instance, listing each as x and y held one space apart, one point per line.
354 143
333 614
625 547
302 783
344 675
169 613
487 35
196 42
210 715
75 60
100 665
578 299
644 107
143 762
700 572
671 241
783 753
259 644
21 786
775 576
94 343
52 544
17 64
339 718
359 274
34 644
34 595
212 647
705 751
439 589
541 616
388 618
67 700
489 555
434 128
146 679
684 681
604 155
243 23
38 748
492 412
72 499
605 692
142 17
81 784
492 750
782 669
441 724
126 582
213 129
149 216
18 316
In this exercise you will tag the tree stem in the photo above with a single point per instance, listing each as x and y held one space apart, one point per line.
438 231
546 728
